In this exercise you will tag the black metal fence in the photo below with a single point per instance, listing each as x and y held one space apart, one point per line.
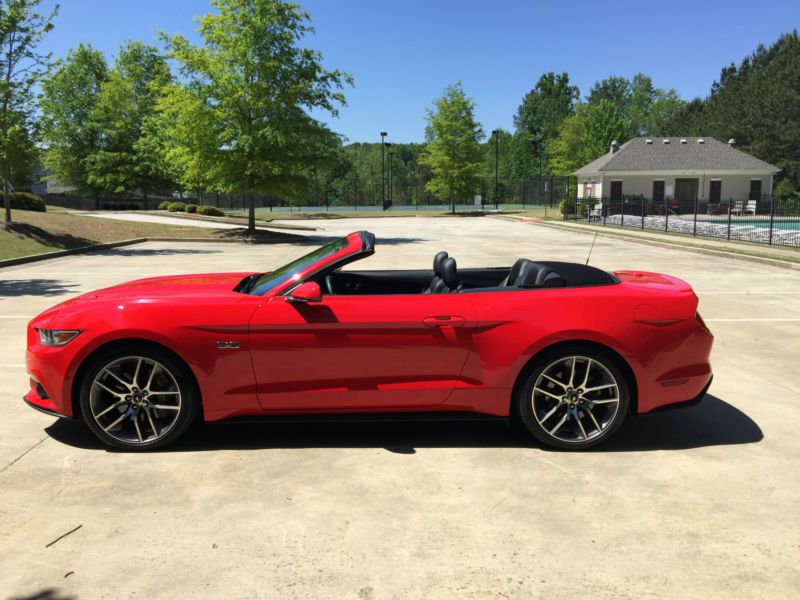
354 194
762 220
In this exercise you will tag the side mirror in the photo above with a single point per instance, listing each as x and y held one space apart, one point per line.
305 292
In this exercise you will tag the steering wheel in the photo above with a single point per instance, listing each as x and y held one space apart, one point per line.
329 284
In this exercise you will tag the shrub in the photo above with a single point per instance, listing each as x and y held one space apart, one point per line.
191 208
177 207
164 205
27 201
209 211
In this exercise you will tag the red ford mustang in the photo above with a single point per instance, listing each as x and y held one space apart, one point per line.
568 349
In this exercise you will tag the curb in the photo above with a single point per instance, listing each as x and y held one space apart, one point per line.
23 260
10 262
775 262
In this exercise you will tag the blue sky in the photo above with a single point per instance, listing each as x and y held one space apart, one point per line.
403 53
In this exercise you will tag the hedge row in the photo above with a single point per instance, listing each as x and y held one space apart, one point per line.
25 201
203 209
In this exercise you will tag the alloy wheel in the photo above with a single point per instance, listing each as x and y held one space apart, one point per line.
135 399
575 399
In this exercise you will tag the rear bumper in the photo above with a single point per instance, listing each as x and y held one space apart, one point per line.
684 403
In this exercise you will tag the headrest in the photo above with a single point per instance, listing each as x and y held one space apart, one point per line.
437 263
526 273
449 273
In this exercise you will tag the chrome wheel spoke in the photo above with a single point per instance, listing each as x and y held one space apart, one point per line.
556 381
152 425
136 424
609 401
118 421
109 409
586 376
136 373
165 407
550 413
594 420
117 377
572 374
108 389
541 391
597 388
164 393
580 425
559 424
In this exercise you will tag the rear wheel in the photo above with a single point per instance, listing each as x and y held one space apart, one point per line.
138 400
574 398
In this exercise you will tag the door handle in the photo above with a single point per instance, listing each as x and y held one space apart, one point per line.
444 321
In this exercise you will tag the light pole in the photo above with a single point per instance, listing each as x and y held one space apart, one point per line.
496 134
383 171
391 156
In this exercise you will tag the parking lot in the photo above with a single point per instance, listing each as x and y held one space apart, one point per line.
695 503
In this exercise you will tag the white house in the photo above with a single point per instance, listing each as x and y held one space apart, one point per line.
677 170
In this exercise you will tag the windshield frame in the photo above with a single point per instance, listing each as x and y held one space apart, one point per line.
341 251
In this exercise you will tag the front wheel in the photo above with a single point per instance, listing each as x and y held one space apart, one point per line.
138 400
574 398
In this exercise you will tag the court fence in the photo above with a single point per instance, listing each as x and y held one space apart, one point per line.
761 220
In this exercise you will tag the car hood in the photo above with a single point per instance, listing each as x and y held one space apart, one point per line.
174 284
150 288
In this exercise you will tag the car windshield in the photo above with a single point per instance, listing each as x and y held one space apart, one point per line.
266 282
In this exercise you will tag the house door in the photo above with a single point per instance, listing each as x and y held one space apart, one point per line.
616 190
658 192
755 189
715 191
686 191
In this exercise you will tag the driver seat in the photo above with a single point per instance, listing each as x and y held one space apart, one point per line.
445 276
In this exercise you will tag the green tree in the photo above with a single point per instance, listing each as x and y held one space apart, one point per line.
123 162
537 120
585 136
758 104
452 149
69 94
248 96
21 66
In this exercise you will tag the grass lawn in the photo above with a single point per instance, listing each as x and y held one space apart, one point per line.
36 233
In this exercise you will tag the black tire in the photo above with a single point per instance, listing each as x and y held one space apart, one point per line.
587 418
145 419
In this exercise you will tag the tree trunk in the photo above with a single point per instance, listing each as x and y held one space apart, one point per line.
6 194
251 213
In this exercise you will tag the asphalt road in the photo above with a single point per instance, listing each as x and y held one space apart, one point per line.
694 504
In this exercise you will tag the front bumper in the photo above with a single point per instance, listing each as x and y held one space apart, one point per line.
33 404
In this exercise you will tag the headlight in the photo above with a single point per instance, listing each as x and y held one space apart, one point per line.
57 337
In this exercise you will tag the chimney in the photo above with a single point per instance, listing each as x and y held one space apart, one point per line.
732 143
614 146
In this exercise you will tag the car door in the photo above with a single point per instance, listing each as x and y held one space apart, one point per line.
360 352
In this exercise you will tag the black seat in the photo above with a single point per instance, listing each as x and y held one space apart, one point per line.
526 274
436 282
445 276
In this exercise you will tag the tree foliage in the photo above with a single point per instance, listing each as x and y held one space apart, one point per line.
452 150
69 95
757 103
123 162
585 136
538 118
21 68
248 93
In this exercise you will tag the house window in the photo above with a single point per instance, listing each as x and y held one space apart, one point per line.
715 191
658 190
755 189
616 190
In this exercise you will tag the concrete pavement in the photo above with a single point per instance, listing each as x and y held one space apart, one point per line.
694 504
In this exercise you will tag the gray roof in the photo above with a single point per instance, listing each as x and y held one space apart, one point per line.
711 155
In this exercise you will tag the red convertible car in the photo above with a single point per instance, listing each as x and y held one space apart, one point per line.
567 349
